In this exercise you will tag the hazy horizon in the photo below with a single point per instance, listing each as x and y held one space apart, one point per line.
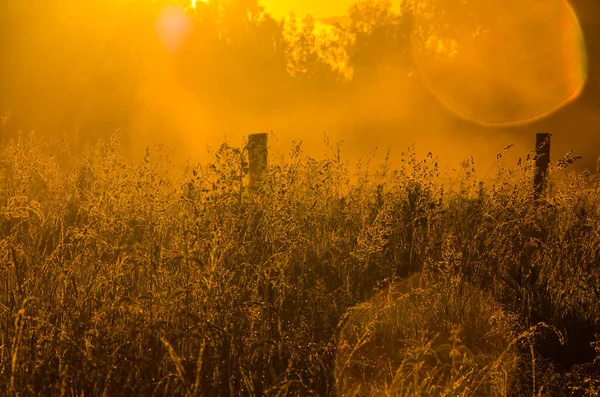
190 79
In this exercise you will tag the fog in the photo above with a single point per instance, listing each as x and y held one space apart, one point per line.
457 78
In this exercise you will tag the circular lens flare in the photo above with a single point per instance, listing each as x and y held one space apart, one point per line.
503 62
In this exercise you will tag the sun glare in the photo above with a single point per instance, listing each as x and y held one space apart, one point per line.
195 2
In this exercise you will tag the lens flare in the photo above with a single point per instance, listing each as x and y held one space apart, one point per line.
172 27
497 62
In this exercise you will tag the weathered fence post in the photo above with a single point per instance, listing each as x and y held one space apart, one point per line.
542 161
257 158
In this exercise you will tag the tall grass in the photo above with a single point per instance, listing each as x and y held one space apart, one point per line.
427 335
121 278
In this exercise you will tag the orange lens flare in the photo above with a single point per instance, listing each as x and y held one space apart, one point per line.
503 62
172 27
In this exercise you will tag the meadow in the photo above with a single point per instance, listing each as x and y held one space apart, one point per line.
123 278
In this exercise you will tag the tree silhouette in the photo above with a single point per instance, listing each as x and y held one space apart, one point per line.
380 38
67 65
307 56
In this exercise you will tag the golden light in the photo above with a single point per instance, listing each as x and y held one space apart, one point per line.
195 2
172 27
500 63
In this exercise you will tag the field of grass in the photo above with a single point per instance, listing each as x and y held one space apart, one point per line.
121 278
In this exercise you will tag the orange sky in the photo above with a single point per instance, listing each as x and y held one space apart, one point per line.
318 8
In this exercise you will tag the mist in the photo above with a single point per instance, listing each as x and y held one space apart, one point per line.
193 78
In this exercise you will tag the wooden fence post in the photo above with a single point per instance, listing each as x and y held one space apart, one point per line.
257 158
542 161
